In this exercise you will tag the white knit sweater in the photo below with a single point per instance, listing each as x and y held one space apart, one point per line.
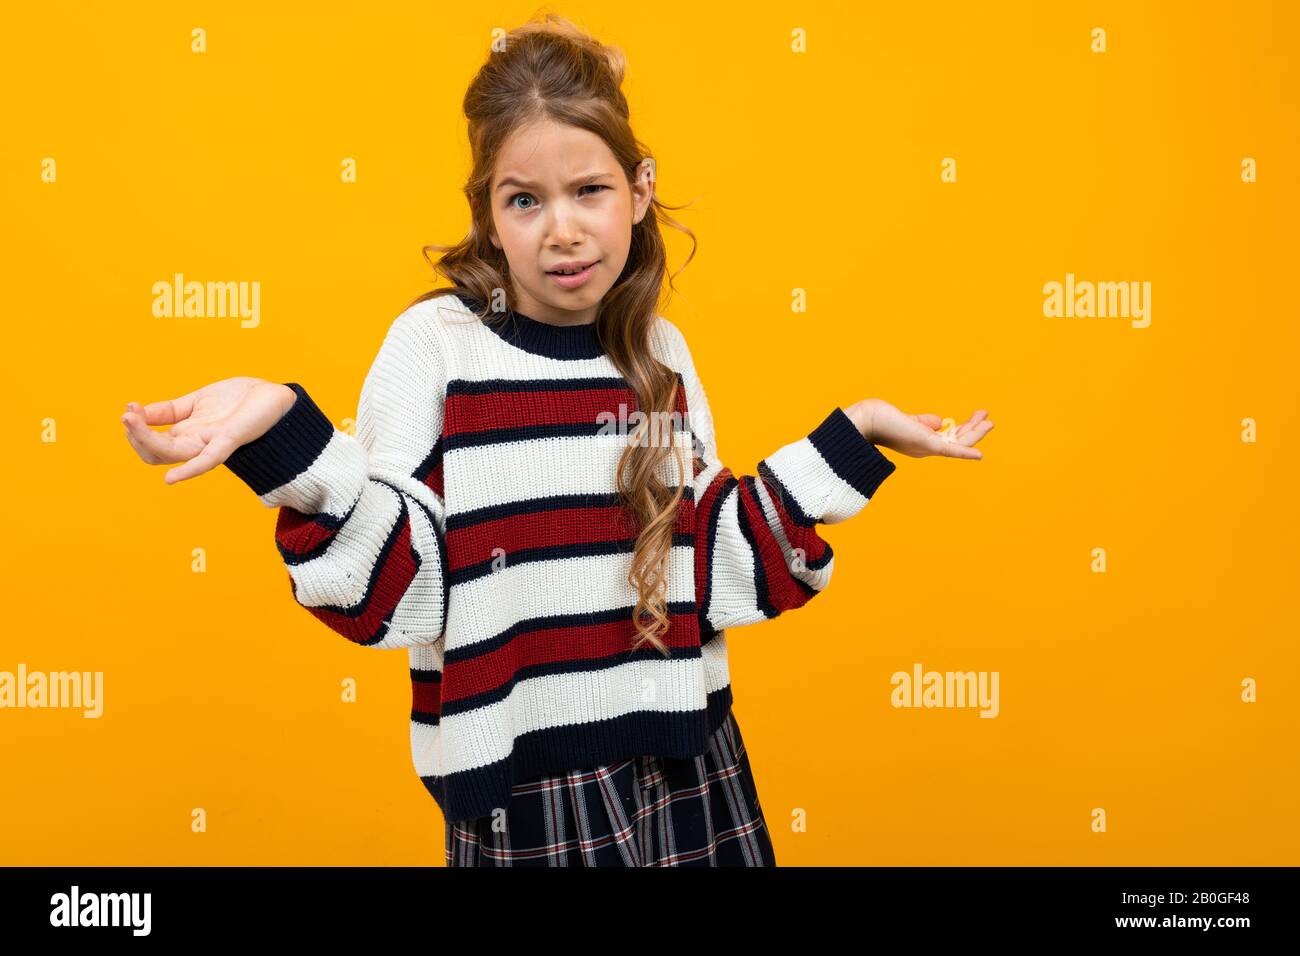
473 520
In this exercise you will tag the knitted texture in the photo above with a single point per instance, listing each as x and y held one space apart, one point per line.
474 520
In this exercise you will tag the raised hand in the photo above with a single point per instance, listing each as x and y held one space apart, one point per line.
917 435
207 425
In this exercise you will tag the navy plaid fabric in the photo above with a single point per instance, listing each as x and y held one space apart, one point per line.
641 811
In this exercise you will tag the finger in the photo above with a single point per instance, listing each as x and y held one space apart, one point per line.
166 412
952 449
930 421
213 454
974 427
958 450
977 433
160 446
140 450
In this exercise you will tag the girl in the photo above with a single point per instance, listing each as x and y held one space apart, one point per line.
533 505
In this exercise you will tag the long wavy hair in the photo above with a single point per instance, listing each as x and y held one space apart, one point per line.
548 68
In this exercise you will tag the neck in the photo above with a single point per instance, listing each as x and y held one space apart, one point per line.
539 311
575 341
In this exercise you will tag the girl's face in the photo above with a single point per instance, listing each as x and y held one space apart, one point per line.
559 196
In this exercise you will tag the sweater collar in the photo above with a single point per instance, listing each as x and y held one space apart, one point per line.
537 337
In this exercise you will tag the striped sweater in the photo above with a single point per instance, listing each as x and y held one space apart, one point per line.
473 520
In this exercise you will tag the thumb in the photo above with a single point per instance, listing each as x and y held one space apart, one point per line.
214 453
953 449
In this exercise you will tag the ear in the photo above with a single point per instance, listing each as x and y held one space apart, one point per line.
643 188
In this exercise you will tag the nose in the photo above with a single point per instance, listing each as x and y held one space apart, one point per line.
565 227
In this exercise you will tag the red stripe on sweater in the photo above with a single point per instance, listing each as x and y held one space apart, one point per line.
298 533
426 696
783 592
554 645
553 527
473 413
799 536
433 480
394 579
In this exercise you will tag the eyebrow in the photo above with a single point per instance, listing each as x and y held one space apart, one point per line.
512 181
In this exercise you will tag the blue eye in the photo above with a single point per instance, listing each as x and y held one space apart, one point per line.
512 199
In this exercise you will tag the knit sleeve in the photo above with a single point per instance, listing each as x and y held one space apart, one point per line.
360 526
758 547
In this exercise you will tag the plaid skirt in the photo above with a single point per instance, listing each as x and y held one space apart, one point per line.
640 811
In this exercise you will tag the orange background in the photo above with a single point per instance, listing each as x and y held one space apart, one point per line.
817 171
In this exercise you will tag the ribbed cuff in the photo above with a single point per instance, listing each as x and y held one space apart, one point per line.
287 449
850 455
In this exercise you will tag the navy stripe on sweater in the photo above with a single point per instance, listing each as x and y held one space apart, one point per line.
675 734
287 449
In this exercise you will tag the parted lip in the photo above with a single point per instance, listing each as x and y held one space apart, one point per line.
575 265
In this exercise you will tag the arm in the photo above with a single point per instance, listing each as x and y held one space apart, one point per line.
758 550
360 527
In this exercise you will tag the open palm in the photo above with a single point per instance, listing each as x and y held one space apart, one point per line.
207 424
919 435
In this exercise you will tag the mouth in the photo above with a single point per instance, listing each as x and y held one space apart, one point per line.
573 275
571 268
